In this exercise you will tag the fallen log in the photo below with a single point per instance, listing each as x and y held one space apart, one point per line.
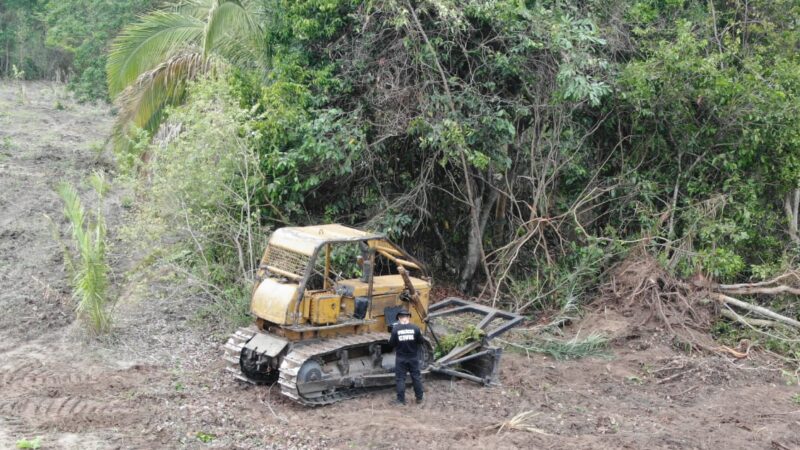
746 290
722 298
747 320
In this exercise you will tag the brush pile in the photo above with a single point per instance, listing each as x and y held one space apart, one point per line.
639 288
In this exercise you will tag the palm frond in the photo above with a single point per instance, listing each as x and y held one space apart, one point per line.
99 183
89 269
148 43
151 62
246 54
228 20
195 8
142 103
522 422
73 209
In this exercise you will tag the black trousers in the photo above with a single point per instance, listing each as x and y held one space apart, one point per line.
403 366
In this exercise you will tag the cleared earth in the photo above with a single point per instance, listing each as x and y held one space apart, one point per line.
159 381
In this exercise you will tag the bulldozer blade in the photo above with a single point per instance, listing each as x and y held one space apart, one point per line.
476 361
455 305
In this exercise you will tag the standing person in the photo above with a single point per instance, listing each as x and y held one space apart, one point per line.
406 340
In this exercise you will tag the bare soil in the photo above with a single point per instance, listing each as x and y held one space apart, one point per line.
158 381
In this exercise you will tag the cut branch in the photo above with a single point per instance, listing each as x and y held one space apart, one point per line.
748 321
726 287
755 309
780 289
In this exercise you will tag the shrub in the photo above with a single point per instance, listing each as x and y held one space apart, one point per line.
199 204
30 444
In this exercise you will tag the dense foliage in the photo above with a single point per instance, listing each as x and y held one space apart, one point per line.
523 145
710 105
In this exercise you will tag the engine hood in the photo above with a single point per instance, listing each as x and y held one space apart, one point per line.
274 301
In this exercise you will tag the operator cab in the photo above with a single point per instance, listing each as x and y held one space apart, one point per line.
331 276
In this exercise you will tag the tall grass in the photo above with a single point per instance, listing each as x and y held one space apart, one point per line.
88 265
575 348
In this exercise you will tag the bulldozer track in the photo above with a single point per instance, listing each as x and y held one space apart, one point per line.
59 407
290 366
233 348
35 374
300 353
17 373
16 426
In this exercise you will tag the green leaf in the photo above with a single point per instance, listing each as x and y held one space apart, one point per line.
147 44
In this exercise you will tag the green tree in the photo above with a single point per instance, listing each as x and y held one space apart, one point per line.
712 102
22 40
83 30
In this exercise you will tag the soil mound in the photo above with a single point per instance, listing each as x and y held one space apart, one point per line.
648 300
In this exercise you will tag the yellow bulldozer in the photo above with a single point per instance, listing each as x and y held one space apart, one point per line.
324 301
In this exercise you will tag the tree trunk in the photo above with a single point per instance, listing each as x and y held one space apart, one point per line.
746 320
8 58
474 201
791 204
474 244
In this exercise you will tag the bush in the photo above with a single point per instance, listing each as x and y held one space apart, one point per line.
199 203
30 444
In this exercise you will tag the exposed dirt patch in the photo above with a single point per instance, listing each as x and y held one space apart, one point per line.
158 382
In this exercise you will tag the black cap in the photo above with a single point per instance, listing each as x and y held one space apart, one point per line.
403 312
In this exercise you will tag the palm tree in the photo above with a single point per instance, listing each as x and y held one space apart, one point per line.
152 61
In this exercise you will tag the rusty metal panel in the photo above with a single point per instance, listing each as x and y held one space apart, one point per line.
267 344
325 309
273 301
306 240
382 302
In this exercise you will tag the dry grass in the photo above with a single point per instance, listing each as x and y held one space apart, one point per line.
521 422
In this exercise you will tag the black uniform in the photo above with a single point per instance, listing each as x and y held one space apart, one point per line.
407 339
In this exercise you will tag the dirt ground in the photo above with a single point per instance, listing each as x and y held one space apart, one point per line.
158 382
